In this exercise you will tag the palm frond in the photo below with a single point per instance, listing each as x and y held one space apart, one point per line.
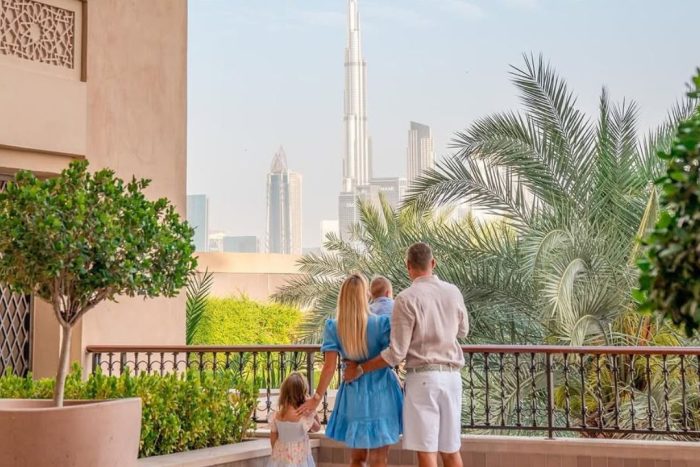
198 289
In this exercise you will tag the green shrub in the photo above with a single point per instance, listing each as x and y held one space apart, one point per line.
234 321
180 412
670 278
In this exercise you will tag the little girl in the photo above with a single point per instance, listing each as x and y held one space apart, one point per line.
289 430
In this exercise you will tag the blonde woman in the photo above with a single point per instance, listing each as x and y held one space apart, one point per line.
367 412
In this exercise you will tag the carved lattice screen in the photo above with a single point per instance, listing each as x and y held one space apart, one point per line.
15 327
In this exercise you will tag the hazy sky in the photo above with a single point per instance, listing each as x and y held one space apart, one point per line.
265 73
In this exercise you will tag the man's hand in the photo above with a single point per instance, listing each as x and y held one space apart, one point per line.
351 372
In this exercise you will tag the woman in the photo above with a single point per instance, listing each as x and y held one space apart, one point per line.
367 412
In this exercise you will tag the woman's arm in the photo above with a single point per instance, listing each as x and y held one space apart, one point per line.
330 365
273 438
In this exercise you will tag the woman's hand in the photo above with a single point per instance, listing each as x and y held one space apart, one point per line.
310 406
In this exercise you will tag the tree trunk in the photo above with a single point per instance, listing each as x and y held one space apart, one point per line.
60 387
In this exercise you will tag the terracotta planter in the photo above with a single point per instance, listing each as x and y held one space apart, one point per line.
33 433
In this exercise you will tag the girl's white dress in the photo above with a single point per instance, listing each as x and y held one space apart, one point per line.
292 447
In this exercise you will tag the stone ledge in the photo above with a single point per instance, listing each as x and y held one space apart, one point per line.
220 455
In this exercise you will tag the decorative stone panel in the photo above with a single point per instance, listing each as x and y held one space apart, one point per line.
38 32
15 328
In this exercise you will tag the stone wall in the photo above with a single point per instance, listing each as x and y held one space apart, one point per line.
508 451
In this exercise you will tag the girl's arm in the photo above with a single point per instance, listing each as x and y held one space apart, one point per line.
330 365
316 425
272 421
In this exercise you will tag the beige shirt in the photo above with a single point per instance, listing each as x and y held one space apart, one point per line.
428 318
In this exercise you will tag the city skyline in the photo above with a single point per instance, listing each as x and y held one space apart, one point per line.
280 81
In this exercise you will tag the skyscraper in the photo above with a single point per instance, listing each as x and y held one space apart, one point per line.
198 218
419 155
283 207
357 160
240 244
393 189
356 164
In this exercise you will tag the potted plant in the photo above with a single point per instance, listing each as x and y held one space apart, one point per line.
75 241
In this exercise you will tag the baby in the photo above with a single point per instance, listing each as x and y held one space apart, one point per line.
382 302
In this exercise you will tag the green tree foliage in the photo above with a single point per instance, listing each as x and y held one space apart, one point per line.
180 412
81 238
198 289
670 280
241 321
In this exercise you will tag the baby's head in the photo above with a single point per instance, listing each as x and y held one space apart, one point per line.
293 392
380 287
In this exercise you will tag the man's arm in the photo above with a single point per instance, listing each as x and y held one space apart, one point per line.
463 330
402 321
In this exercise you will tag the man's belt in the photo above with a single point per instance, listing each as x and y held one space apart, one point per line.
432 367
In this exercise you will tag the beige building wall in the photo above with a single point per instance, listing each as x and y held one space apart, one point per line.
257 275
116 94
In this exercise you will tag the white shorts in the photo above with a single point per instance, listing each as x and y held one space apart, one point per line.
432 412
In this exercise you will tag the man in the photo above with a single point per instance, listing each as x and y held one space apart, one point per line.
382 296
428 319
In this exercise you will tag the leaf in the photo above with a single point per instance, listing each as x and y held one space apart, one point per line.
198 289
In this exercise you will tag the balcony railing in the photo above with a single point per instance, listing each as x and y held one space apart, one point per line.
649 392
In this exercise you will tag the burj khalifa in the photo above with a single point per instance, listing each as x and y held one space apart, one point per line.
357 160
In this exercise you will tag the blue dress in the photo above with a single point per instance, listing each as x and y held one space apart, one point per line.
367 412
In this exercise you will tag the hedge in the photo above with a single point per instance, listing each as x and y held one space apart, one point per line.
180 412
240 321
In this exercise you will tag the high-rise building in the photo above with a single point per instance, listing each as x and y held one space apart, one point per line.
198 218
216 242
241 244
419 155
357 160
283 207
356 164
393 189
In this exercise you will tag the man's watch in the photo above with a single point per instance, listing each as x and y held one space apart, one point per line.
360 371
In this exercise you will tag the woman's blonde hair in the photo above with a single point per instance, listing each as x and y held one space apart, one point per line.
293 392
353 311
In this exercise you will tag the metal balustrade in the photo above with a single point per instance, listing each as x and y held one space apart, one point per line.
615 392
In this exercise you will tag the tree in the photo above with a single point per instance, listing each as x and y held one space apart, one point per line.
578 192
469 254
670 279
81 238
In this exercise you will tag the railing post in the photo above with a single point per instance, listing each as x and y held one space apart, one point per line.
310 370
95 362
550 395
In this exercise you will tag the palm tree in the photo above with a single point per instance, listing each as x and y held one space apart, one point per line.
577 192
470 253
